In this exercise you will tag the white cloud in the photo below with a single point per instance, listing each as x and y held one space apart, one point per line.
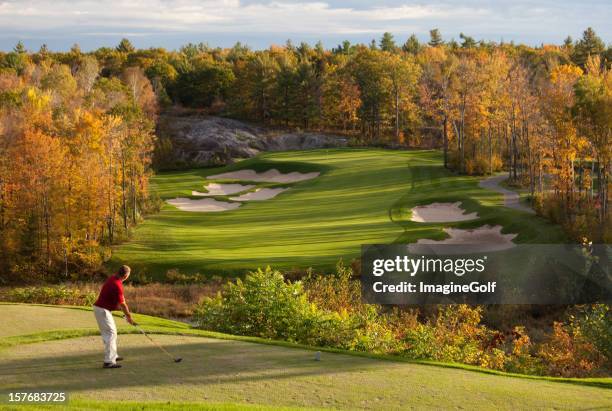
212 16
153 21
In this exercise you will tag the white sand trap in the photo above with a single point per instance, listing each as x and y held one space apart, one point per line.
204 205
270 176
260 194
441 213
485 238
215 189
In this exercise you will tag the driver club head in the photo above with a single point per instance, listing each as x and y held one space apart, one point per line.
177 360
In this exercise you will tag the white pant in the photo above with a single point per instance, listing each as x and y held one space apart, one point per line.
108 329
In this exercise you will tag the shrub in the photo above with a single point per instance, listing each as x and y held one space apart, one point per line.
569 354
595 325
456 335
167 300
174 276
262 305
162 300
521 359
326 310
421 342
477 166
335 292
59 295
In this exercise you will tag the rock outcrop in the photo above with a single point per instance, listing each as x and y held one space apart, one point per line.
207 140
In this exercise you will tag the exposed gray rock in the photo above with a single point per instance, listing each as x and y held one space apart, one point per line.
303 141
206 140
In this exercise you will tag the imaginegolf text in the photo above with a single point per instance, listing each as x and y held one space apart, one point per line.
452 288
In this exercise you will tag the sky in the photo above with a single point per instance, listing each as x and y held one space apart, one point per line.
172 23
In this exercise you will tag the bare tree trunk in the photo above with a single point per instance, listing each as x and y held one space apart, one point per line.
540 174
530 162
111 206
445 140
514 150
490 151
2 207
47 219
134 200
603 186
123 198
592 178
397 128
462 138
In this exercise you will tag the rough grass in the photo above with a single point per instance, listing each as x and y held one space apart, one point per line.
168 300
363 196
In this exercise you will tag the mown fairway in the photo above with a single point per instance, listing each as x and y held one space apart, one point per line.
234 370
362 197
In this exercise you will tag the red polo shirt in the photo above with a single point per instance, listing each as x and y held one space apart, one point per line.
111 294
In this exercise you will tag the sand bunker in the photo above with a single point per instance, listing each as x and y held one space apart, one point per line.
485 238
271 176
215 189
260 194
204 205
441 213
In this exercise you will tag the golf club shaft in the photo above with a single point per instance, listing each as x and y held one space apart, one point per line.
154 342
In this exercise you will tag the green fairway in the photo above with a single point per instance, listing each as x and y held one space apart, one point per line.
362 196
236 371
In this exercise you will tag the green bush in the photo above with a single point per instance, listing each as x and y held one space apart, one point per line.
328 311
265 305
594 323
262 305
57 295
455 334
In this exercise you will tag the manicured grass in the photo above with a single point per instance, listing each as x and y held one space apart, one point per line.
236 371
363 196
80 405
23 319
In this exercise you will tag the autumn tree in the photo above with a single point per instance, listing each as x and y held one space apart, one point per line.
593 110
435 95
403 74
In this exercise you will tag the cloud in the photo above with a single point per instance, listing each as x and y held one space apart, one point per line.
160 20
213 16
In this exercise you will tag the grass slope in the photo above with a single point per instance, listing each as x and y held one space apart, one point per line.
24 319
363 196
221 371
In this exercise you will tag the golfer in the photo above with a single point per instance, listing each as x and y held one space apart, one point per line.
111 298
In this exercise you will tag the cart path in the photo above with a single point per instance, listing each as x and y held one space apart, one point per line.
511 198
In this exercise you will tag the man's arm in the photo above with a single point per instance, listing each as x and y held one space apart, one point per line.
128 316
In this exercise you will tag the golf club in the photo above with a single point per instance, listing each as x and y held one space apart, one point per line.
175 359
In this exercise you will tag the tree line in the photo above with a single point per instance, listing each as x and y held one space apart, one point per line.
75 149
543 114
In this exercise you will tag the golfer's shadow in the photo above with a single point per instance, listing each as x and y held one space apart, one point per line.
209 362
